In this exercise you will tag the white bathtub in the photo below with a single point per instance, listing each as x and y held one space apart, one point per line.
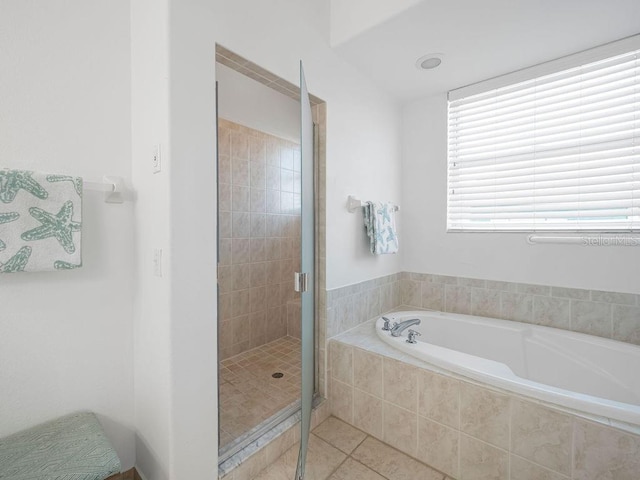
579 372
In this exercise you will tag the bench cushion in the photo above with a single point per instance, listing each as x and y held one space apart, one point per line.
73 447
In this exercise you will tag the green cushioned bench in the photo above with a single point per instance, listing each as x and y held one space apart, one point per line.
73 447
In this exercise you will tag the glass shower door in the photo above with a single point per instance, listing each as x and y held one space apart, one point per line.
305 280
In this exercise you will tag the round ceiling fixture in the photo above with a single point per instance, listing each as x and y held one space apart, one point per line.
429 61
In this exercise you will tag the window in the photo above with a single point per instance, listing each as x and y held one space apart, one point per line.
558 151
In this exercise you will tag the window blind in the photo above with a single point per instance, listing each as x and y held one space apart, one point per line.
558 152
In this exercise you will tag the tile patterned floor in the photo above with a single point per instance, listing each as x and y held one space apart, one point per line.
338 451
249 394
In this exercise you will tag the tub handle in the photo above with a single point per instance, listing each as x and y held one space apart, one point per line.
386 326
412 336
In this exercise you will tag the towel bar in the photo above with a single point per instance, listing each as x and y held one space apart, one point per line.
113 188
354 203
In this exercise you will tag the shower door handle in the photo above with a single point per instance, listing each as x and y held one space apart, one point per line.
300 282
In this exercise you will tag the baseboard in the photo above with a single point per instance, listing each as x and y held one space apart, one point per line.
128 475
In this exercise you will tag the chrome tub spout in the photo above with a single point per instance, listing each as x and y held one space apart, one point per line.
398 328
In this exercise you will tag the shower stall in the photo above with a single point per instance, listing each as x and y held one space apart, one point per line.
267 250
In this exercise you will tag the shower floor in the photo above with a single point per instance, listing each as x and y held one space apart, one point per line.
249 394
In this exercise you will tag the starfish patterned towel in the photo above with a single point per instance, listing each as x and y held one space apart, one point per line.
40 221
380 222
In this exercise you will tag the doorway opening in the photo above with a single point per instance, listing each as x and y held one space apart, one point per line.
260 246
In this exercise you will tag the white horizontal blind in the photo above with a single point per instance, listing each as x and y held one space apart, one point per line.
556 153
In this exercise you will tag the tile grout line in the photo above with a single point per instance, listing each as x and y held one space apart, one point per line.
542 467
510 443
366 437
336 448
459 429
574 426
367 466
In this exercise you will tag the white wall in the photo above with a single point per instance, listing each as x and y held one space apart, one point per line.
363 157
254 105
178 345
349 18
363 154
499 256
173 104
66 338
194 326
150 127
77 97
363 123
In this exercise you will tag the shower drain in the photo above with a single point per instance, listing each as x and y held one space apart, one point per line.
278 375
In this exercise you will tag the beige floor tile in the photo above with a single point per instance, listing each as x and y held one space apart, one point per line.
249 394
352 470
340 434
391 463
275 472
322 461
251 466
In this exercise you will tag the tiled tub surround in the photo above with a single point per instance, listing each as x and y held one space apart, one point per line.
604 314
354 304
592 375
259 209
347 307
465 429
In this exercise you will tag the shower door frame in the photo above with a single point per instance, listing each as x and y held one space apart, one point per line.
293 412
308 304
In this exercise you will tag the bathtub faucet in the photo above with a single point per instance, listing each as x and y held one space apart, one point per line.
411 336
386 327
398 328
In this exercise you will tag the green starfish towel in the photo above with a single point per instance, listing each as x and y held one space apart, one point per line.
40 221
380 223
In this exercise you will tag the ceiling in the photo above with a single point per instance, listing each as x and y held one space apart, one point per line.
481 39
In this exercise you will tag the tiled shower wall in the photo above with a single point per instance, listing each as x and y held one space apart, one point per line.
259 222
605 314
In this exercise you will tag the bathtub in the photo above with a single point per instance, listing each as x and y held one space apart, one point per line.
579 372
